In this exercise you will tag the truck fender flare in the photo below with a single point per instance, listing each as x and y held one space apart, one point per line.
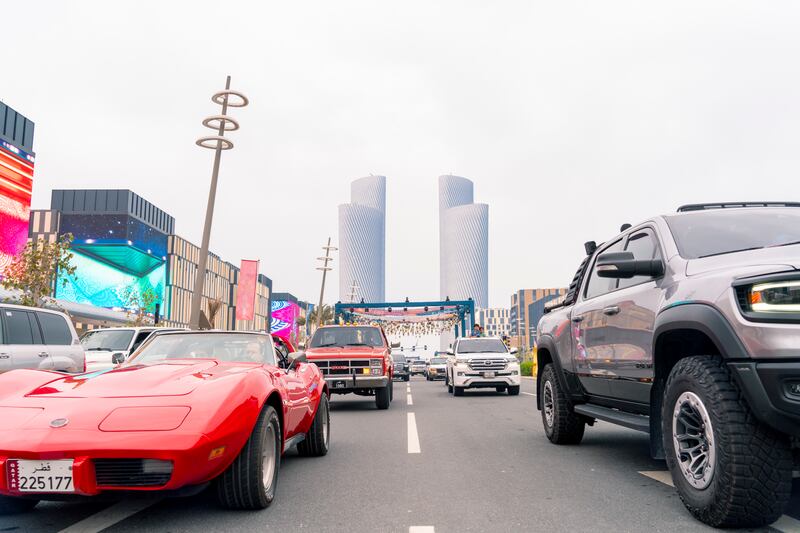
547 342
703 318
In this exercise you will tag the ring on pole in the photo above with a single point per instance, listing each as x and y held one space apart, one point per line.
219 98
215 121
218 142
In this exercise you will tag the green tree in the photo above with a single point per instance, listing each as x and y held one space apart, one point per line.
33 272
139 304
327 315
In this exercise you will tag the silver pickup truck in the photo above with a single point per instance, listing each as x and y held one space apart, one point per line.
687 327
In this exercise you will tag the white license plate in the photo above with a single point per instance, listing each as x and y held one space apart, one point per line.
339 384
40 476
488 374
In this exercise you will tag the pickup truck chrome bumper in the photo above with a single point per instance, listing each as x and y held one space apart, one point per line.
477 379
348 383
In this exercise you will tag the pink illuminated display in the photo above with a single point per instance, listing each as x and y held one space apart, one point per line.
16 185
284 319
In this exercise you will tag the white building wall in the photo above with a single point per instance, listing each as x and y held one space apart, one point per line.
362 241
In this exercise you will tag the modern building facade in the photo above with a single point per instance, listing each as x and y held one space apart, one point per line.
362 241
495 321
125 246
16 182
463 242
527 308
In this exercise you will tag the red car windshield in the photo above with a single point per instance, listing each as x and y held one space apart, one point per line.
231 347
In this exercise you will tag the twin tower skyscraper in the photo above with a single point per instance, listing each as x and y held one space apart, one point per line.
463 242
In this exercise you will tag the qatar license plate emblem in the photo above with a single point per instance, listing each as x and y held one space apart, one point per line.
40 476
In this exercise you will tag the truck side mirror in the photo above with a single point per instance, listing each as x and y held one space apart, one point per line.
514 351
118 358
395 345
622 265
450 352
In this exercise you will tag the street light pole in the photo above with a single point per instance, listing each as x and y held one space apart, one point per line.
221 123
324 268
353 291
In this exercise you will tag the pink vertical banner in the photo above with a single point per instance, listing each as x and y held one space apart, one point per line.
246 294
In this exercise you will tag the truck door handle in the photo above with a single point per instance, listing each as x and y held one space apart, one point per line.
4 356
577 319
43 354
611 310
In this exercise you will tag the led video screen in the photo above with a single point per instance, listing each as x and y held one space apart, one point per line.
16 184
284 318
99 284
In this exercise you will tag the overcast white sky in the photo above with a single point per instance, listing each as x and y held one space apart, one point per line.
571 118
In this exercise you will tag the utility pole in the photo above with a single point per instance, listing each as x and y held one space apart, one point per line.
324 268
221 123
353 291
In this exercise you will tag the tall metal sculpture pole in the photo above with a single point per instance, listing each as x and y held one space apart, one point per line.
218 143
325 268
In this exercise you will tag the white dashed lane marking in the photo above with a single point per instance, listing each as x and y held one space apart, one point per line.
529 393
409 401
111 515
413 436
421 529
785 524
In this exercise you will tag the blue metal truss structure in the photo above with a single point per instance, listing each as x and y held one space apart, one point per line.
465 309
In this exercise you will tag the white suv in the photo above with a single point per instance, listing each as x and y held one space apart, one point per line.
37 338
105 348
482 362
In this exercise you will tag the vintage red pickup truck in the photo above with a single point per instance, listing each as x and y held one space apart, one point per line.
354 359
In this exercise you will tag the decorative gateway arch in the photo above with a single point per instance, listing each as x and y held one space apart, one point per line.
411 318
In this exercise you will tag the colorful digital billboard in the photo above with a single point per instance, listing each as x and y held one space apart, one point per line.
102 285
16 186
284 319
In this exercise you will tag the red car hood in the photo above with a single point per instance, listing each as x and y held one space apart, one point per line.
347 352
175 378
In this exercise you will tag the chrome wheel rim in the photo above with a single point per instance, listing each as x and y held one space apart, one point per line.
693 439
268 459
549 405
325 424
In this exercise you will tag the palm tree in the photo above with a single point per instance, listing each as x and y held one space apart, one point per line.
327 315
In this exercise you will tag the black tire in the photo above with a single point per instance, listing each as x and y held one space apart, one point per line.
317 441
513 390
242 485
449 384
566 427
11 505
458 391
750 482
406 378
382 397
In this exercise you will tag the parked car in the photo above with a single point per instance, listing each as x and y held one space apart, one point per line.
482 362
687 327
108 347
401 369
40 339
186 409
436 368
354 359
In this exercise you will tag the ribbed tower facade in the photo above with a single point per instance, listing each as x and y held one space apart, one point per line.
463 242
362 241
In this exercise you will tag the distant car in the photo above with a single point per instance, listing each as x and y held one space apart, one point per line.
401 370
416 366
436 368
37 338
187 409
108 347
482 362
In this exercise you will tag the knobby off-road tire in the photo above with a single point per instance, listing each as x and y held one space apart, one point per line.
561 424
250 482
11 505
383 396
746 466
317 441
513 390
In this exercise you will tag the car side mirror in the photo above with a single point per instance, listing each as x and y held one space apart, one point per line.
514 351
395 345
623 265
450 352
118 358
296 358
302 346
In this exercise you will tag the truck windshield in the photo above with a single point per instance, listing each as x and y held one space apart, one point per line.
347 336
467 346
107 339
724 231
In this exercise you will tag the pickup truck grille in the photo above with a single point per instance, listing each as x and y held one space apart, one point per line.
343 367
487 364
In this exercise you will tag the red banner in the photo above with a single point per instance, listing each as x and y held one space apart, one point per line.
246 294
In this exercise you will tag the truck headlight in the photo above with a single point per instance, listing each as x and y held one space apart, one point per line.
462 360
376 362
770 300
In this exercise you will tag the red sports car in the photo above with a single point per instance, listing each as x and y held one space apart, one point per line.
186 409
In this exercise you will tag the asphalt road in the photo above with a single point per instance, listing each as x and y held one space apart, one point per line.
432 462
